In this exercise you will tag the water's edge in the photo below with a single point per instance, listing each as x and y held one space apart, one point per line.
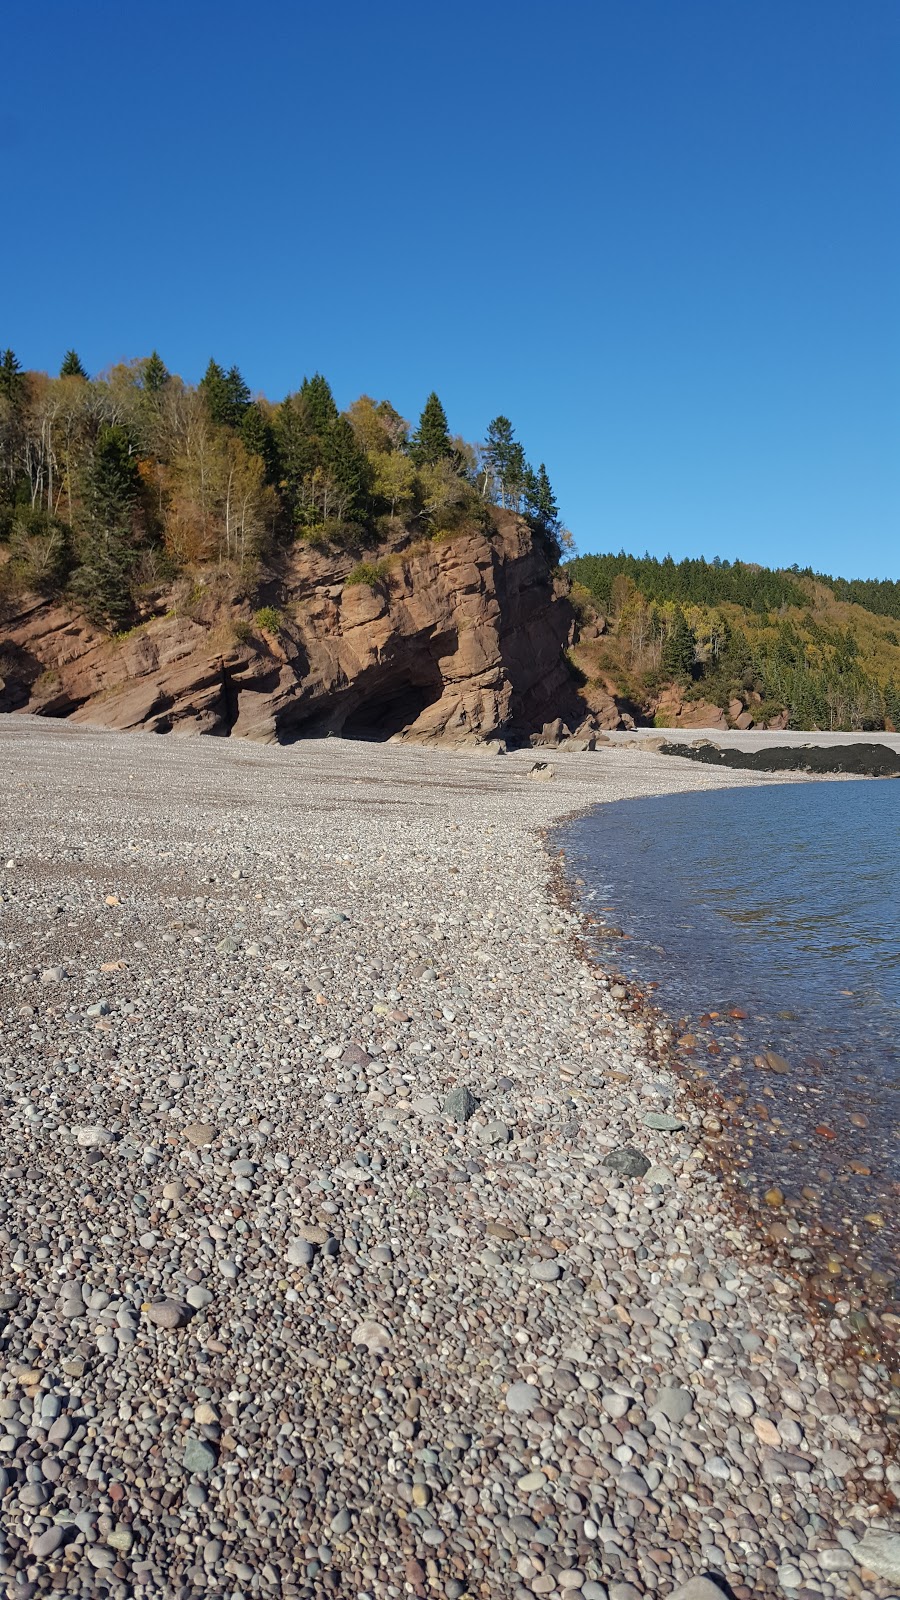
825 1268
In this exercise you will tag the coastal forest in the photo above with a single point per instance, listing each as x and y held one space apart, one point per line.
110 487
790 648
114 487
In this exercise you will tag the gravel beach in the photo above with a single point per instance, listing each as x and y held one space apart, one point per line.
353 1237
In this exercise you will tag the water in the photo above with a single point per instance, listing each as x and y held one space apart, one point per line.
782 903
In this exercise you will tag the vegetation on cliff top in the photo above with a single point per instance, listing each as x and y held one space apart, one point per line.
818 651
109 487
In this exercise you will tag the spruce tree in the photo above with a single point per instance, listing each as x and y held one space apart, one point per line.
498 446
156 375
318 404
347 466
12 378
302 427
516 476
431 441
258 439
237 398
214 389
540 501
103 581
72 367
678 650
113 489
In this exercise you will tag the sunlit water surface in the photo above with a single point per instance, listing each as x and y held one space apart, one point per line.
782 902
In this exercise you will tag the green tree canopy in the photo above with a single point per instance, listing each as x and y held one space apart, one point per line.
156 374
72 367
540 501
678 650
113 479
431 441
258 437
12 378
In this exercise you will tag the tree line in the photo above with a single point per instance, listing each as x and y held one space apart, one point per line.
114 484
878 595
668 624
694 581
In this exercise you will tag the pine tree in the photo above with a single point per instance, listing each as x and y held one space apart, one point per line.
156 375
431 441
12 378
72 367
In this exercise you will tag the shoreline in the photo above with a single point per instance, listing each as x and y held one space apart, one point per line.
546 1377
702 1090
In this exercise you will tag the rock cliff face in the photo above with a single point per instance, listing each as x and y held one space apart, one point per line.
459 639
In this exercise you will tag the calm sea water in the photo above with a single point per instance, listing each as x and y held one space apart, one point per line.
781 902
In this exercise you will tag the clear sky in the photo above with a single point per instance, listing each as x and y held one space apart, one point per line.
663 236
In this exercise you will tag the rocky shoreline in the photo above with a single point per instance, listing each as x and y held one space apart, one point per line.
859 759
354 1238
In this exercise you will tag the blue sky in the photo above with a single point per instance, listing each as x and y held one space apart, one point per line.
663 236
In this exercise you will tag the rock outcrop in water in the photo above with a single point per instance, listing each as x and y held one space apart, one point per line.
460 640
855 760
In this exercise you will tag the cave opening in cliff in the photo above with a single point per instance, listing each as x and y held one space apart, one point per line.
391 711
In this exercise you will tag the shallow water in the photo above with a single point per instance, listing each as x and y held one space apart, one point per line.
781 902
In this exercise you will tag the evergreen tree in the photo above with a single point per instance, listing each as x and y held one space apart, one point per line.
214 389
516 476
103 581
302 428
498 449
12 378
226 394
237 398
431 441
113 490
114 482
72 367
318 404
540 501
678 650
506 462
347 467
156 375
258 438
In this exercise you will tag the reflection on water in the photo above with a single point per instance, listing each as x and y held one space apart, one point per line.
769 919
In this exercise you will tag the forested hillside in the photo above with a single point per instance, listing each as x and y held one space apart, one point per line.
787 648
112 486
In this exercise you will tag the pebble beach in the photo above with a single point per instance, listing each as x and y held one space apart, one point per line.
354 1237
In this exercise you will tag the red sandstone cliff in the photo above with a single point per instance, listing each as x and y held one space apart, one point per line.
460 639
